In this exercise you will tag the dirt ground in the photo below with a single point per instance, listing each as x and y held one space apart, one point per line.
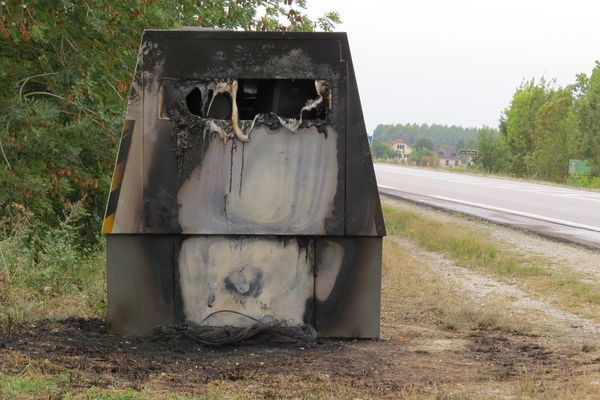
418 356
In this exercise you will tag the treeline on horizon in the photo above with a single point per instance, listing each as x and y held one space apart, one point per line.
454 136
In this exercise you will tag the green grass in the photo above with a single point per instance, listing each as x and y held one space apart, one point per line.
585 182
47 274
473 248
14 386
33 385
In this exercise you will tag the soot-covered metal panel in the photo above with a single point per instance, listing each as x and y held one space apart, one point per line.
140 282
364 216
348 286
243 175
176 139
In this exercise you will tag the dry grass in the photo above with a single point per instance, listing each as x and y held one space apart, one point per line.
423 289
582 388
473 248
309 385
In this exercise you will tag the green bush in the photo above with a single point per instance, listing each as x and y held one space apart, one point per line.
44 272
588 182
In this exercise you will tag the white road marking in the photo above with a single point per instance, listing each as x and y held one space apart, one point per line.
493 183
520 213
387 187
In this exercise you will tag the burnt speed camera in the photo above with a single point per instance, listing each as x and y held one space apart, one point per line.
244 183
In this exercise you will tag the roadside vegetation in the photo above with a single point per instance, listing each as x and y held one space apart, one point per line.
474 249
543 128
422 288
45 273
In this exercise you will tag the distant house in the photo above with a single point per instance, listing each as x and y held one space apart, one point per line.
449 158
402 149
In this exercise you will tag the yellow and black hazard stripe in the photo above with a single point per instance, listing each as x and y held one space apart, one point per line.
117 180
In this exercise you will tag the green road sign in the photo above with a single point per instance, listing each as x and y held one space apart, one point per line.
579 167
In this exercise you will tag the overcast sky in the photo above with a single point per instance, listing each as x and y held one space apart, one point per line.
459 61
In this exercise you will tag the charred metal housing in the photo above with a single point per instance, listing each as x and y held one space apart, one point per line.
244 183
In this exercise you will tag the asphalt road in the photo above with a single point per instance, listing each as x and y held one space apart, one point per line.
570 207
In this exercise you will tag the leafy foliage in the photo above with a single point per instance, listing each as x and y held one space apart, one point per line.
44 272
65 69
518 124
492 151
543 128
424 156
589 114
424 143
382 151
556 135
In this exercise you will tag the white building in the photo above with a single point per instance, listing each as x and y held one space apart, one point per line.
402 149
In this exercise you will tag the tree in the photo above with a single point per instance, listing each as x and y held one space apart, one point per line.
556 137
424 157
491 151
65 69
518 124
589 114
424 143
381 151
